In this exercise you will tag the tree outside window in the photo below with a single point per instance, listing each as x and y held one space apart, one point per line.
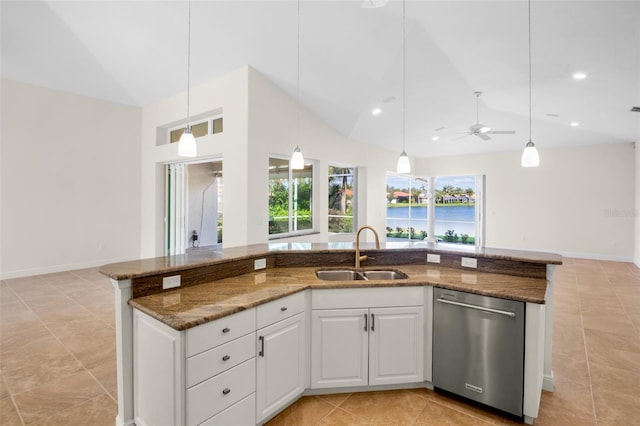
341 199
290 198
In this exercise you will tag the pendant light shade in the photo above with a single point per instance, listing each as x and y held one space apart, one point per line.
530 156
297 160
187 144
404 166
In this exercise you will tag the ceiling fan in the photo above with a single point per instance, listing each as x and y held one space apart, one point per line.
481 130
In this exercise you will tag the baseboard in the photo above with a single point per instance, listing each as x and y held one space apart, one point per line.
6 275
547 382
592 256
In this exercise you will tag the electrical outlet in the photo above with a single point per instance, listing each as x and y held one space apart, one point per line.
259 264
171 282
433 258
470 262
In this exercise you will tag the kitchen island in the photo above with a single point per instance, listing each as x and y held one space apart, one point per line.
218 284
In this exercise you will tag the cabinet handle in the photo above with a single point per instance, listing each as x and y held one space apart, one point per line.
284 308
373 322
366 320
261 353
226 391
226 358
226 330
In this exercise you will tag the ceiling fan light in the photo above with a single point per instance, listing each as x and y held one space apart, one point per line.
530 156
187 144
404 166
484 129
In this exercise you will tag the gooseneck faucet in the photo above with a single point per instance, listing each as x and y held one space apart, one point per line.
360 258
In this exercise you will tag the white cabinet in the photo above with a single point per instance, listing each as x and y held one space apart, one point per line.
356 345
204 375
281 360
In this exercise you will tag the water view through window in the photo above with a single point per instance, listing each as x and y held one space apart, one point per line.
454 202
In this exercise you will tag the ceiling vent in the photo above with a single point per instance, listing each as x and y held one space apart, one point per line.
635 109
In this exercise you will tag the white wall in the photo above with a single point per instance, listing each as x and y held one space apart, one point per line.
636 258
273 130
576 203
70 181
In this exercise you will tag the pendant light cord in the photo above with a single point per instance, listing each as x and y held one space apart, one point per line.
298 74
188 62
404 48
530 137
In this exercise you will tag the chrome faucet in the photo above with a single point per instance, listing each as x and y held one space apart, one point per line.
364 257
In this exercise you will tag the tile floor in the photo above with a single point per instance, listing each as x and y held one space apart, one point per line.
57 358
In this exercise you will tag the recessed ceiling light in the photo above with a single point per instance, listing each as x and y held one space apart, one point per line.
579 76
376 111
574 124
435 138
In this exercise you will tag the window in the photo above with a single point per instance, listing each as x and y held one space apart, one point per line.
454 216
290 198
406 207
341 199
203 128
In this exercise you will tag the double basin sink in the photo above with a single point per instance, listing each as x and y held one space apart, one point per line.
357 274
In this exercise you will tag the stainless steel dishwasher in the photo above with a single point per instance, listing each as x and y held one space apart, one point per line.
478 348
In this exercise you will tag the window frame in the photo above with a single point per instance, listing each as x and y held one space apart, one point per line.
479 216
209 120
313 204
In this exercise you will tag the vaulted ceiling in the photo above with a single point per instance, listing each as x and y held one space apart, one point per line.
351 61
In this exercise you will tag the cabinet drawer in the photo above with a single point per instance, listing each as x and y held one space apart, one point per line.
211 397
221 358
223 330
367 297
280 309
242 413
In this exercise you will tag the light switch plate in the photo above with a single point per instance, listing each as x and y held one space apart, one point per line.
433 258
171 282
469 262
259 264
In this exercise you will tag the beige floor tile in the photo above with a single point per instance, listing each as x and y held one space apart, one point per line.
340 417
8 413
100 411
41 362
335 399
611 379
105 374
616 408
46 400
573 368
394 407
611 322
437 414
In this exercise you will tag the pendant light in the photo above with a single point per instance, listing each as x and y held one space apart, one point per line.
297 160
530 157
187 144
404 166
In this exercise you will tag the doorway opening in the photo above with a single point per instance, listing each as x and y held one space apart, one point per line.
194 206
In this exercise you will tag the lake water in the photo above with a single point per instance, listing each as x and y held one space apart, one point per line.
459 218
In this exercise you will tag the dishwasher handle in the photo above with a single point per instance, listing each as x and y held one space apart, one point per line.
479 308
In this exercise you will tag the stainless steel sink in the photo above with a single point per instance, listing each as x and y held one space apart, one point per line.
384 275
339 275
350 274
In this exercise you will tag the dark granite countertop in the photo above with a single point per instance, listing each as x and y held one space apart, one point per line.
187 307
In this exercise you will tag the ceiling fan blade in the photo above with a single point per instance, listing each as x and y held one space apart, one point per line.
502 132
462 137
483 136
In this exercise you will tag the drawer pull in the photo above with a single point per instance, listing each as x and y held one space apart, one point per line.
226 391
226 330
226 358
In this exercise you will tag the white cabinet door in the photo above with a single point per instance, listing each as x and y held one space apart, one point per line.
396 345
339 348
281 364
